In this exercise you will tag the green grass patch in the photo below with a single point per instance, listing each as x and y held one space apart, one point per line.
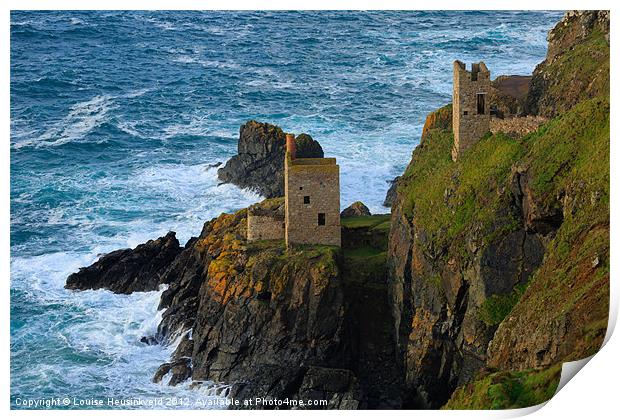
495 308
449 198
505 390
372 221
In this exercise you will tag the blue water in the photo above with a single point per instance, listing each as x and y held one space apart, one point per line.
115 117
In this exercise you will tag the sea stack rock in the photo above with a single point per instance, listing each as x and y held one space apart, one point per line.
259 163
129 270
356 209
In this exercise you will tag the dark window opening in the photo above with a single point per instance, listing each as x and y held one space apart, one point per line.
321 219
480 103
465 112
306 199
301 188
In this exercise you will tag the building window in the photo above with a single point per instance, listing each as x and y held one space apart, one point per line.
480 103
321 219
464 112
306 199
301 188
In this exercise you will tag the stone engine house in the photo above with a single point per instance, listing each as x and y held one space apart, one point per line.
310 211
471 116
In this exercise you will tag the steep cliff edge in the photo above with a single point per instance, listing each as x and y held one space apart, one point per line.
309 323
259 162
499 262
576 66
279 323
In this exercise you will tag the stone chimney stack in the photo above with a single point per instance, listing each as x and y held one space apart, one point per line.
291 147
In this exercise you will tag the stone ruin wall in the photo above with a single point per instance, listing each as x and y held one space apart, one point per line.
469 126
264 227
516 126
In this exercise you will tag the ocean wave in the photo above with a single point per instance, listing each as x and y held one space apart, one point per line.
186 59
97 330
83 118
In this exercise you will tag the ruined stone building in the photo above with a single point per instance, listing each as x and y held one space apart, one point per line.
471 114
310 210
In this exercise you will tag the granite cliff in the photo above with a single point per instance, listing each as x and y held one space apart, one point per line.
267 321
499 263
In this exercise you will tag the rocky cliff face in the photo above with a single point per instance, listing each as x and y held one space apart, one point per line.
576 66
259 163
498 262
274 323
454 246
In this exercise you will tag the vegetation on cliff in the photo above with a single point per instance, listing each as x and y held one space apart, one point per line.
499 263
576 67
553 183
503 390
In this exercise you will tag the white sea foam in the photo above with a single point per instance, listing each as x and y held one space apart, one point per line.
198 125
82 118
94 325
186 59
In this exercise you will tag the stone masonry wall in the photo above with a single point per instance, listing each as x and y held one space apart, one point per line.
518 126
468 125
265 227
321 183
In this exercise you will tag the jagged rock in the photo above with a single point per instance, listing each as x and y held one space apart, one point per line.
129 270
259 163
180 370
391 192
213 165
581 40
149 340
356 209
307 147
339 387
262 318
252 313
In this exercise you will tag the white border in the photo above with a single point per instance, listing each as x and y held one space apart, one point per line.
592 395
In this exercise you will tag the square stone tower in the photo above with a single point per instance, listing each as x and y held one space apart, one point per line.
471 115
312 199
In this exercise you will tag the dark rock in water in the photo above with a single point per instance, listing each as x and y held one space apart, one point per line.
129 270
181 370
391 193
149 340
356 209
259 163
213 165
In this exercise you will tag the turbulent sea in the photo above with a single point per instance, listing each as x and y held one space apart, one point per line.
116 117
